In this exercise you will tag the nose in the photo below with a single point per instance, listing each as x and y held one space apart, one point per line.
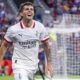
29 10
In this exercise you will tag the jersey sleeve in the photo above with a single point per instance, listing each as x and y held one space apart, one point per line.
8 35
43 34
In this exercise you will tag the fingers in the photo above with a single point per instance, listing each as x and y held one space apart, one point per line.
50 70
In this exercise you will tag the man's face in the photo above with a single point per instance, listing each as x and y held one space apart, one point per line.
28 12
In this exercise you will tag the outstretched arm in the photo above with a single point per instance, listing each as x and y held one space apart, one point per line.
3 48
48 57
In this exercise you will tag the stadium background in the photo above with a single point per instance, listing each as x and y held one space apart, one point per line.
51 14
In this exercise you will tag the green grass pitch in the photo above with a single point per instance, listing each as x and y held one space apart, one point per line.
6 78
38 77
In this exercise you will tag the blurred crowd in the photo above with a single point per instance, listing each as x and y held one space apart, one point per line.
5 20
59 7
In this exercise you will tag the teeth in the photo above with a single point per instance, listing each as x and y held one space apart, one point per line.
29 15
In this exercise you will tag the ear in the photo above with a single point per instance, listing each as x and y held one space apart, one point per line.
21 14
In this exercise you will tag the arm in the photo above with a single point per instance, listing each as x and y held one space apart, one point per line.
6 42
47 51
3 48
48 57
44 37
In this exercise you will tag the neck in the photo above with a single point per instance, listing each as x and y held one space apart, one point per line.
27 23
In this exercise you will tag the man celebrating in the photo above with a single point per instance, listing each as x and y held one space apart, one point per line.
25 37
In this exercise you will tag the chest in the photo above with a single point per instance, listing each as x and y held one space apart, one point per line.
26 34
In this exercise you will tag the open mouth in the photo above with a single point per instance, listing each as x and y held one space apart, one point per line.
29 15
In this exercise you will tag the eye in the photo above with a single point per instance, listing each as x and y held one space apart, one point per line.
31 9
27 8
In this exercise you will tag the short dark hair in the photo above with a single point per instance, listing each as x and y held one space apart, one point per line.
25 3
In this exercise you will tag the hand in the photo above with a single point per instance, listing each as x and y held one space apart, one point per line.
1 54
49 69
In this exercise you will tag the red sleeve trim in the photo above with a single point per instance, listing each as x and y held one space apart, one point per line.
7 41
45 39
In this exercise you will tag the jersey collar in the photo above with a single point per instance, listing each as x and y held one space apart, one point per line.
22 25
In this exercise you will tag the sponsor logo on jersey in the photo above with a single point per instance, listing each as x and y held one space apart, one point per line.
28 43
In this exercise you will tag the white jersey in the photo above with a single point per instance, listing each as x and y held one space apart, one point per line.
26 44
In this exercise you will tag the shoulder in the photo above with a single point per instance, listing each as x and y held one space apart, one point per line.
14 27
39 24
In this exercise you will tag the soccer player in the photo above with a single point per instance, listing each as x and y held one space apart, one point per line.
25 36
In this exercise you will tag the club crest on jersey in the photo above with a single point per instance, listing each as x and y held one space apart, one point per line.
37 33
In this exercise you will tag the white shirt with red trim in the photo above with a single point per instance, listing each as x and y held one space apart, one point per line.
26 44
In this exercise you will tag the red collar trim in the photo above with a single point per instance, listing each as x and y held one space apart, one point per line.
21 25
33 24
